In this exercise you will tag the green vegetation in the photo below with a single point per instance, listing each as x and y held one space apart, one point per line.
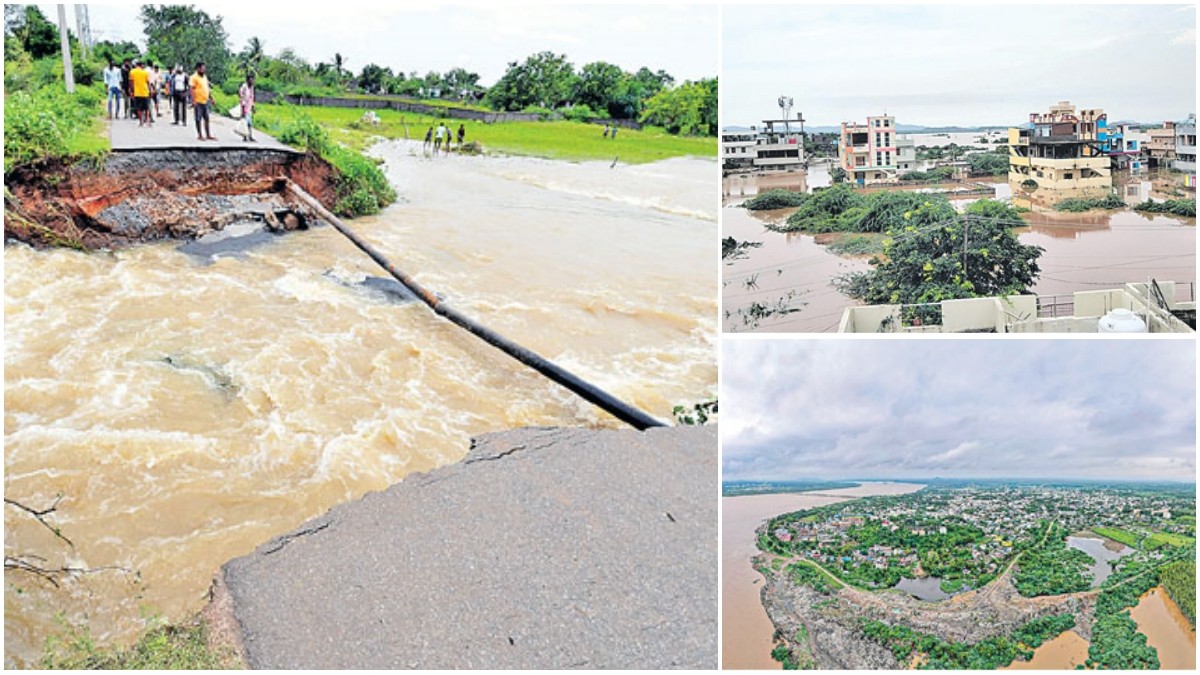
798 658
1051 567
987 654
938 255
774 199
933 175
1118 535
1157 540
1110 201
989 163
856 244
1116 644
699 414
361 187
1178 207
806 574
41 120
162 647
732 249
571 141
1179 580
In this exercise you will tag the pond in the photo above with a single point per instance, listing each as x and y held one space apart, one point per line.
1101 554
928 589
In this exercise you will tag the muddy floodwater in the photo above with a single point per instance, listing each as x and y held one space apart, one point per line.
189 409
1166 629
1101 555
785 284
746 631
1064 652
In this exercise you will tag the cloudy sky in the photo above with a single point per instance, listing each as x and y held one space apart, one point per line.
1105 409
482 38
957 65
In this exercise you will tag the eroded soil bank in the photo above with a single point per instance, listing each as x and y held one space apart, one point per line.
149 195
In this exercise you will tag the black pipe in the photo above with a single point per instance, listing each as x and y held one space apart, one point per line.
623 411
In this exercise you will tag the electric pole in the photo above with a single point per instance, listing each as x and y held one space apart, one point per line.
68 70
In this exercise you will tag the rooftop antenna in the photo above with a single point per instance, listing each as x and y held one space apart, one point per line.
785 105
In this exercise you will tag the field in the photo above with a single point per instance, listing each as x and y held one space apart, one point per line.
573 141
1118 535
1160 539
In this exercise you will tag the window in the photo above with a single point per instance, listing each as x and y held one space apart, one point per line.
877 137
887 123
1068 175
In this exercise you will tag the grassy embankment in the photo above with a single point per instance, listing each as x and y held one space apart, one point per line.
183 646
562 140
46 123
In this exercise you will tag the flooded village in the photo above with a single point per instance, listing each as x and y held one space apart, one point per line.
1110 207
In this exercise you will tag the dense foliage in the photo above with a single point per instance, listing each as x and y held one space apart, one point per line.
47 123
987 654
1111 201
1178 207
1179 580
1051 567
936 174
689 109
940 255
774 199
362 188
805 574
27 30
989 163
1116 644
183 35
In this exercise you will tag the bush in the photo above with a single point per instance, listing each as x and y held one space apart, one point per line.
43 124
775 199
362 187
542 113
1110 201
579 113
1178 207
818 212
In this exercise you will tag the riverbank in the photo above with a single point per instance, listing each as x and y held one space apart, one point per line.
747 631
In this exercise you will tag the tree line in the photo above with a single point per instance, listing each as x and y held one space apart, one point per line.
544 82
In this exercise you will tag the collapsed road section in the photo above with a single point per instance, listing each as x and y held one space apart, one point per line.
160 193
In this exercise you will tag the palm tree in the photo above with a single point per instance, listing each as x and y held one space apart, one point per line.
339 65
251 56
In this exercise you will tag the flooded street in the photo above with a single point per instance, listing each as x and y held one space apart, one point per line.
187 412
1166 629
746 631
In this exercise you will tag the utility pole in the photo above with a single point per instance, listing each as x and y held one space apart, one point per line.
68 70
83 28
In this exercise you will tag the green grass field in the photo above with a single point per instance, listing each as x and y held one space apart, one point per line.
1118 535
1160 539
571 141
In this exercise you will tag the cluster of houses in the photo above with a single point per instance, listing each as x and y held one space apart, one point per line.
1004 514
1060 154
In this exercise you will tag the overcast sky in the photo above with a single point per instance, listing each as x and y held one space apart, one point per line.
1105 409
483 38
938 65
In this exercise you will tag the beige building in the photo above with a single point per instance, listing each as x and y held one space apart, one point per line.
1060 155
1162 145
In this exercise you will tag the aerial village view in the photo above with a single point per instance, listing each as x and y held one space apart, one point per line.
330 334
1003 189
961 541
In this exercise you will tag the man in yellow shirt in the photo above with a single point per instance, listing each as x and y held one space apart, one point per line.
201 91
139 81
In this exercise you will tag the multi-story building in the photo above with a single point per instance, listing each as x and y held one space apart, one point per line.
737 149
1162 145
1061 154
874 152
1127 147
777 146
1185 145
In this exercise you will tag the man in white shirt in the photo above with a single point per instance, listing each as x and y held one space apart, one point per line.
112 82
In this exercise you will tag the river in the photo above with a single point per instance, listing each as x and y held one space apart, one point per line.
1166 629
746 630
187 412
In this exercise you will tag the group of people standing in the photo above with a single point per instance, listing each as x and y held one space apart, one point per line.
140 85
436 137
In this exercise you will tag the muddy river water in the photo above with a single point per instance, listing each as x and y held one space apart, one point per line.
1083 251
746 631
189 410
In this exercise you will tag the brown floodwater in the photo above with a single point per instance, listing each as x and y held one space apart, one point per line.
1064 652
292 390
791 269
1166 629
746 630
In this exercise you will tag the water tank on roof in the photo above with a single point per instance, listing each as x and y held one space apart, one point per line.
1122 320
